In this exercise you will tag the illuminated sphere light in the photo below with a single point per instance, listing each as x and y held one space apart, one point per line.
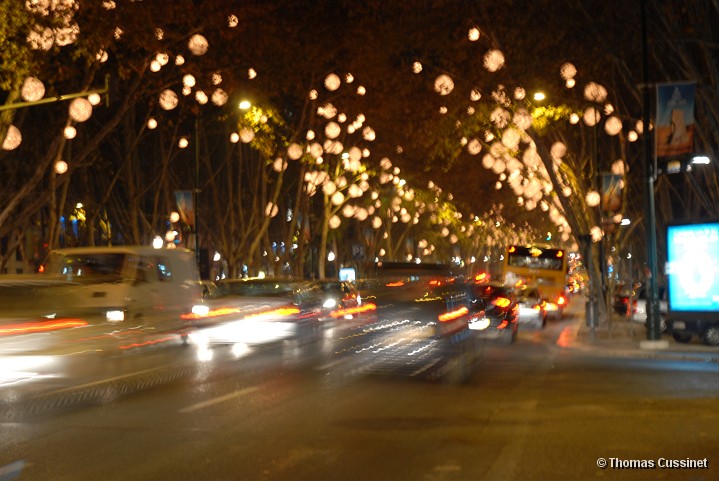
361 90
493 60
591 116
416 67
234 137
348 211
186 90
174 217
608 109
593 198
473 34
570 83
179 60
474 147
618 167
183 143
66 35
568 71
595 92
443 84
337 198
155 66
498 166
279 165
613 125
60 167
487 161
151 123
13 138
349 78
335 222
294 151
369 134
271 210
216 78
80 109
201 97
573 118
332 130
329 188
168 99
219 97
445 232
443 110
189 80
596 233
32 90
198 44
251 73
41 38
233 21
566 191
519 93
332 82
70 132
510 138
361 214
247 135
639 127
558 150
316 150
498 185
632 136
475 95
162 58
94 99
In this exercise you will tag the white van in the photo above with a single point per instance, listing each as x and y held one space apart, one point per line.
93 300
121 283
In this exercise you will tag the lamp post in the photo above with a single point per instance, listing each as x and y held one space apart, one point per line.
653 319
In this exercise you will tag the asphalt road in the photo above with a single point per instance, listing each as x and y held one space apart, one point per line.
533 411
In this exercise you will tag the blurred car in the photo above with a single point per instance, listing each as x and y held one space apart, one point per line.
639 311
497 308
532 307
422 324
246 313
495 311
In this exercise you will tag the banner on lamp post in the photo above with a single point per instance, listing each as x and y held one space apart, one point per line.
611 194
674 134
186 207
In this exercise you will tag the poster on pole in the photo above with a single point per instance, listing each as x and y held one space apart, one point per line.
186 207
675 120
611 195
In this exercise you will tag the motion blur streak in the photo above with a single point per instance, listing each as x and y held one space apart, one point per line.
41 326
353 310
147 343
452 315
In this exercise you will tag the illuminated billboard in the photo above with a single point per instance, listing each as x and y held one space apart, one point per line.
693 267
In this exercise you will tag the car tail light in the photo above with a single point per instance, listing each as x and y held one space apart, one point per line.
561 301
41 326
504 324
501 302
353 310
452 315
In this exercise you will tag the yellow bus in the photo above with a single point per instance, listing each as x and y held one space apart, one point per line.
540 266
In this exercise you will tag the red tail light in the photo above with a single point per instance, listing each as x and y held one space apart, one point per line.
452 315
353 310
561 301
41 326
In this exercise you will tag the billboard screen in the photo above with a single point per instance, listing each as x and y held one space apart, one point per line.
693 267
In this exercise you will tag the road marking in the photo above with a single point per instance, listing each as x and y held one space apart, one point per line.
217 400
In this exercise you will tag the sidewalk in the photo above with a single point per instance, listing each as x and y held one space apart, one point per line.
619 336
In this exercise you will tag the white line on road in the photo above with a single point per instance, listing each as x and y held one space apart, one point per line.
217 400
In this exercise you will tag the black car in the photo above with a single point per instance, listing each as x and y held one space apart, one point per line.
422 324
495 311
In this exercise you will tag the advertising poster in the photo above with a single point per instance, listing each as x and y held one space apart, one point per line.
675 119
185 207
611 196
693 267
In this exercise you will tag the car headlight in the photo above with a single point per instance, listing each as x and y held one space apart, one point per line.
329 303
115 315
479 324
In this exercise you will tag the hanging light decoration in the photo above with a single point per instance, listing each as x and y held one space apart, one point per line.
198 44
80 109
168 99
332 82
32 90
13 138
